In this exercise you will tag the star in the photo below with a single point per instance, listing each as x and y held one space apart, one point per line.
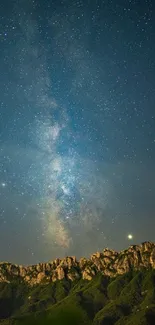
3 184
130 236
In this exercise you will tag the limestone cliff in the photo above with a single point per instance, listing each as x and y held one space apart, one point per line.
108 262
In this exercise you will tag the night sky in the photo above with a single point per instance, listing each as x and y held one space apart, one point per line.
77 127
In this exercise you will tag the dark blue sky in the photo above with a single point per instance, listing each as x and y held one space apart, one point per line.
77 127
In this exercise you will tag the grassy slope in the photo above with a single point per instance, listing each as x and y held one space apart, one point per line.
127 300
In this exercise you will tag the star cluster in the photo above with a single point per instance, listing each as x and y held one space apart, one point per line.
77 127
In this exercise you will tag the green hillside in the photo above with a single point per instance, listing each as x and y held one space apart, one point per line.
128 299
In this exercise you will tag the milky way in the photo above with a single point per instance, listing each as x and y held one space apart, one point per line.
77 127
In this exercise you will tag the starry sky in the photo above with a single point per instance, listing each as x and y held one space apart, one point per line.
77 127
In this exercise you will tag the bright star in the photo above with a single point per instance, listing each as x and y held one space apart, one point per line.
3 184
130 236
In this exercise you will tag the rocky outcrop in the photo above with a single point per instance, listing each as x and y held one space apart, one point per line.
107 262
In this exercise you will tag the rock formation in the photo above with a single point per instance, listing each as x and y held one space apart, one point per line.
107 262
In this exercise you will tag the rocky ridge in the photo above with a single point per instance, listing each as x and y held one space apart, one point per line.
107 262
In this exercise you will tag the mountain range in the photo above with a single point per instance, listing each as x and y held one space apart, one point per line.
109 288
